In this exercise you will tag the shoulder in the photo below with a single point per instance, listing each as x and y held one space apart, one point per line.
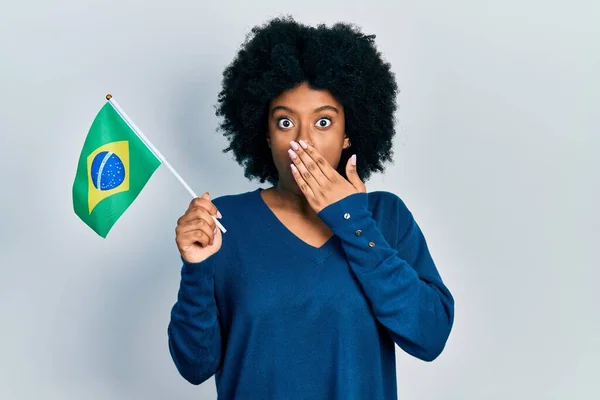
239 210
234 201
391 214
389 203
236 208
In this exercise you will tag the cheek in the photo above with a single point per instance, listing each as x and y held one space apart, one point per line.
281 158
331 156
331 151
333 159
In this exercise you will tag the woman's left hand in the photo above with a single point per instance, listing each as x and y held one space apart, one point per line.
320 183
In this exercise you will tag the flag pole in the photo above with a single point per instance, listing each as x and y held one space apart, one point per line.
155 151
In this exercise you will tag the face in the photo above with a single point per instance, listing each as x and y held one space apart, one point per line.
314 116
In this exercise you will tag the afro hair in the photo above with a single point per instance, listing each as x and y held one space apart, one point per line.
282 54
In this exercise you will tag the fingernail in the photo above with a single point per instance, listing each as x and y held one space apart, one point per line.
294 145
303 144
219 214
353 159
292 154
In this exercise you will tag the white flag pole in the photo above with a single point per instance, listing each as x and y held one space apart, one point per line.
155 151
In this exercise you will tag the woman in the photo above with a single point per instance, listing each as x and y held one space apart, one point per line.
316 280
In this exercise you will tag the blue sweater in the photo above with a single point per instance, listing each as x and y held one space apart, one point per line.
273 317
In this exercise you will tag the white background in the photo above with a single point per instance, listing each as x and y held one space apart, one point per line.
496 155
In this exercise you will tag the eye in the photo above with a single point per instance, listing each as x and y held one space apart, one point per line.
324 122
284 123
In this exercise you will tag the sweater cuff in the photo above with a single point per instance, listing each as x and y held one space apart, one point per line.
341 215
194 271
351 220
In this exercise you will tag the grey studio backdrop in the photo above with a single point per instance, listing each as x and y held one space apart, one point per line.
496 155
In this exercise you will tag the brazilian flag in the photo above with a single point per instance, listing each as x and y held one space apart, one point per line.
114 166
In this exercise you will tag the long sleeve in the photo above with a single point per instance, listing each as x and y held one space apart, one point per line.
400 280
194 334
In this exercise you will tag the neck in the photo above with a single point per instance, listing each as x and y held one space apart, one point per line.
292 199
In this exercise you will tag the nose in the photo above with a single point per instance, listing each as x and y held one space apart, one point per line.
304 133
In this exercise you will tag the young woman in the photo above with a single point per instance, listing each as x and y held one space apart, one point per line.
316 279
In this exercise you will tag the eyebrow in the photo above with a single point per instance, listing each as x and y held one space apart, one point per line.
322 108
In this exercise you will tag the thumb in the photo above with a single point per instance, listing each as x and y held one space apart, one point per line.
206 196
352 174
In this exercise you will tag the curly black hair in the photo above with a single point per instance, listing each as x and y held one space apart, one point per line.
283 53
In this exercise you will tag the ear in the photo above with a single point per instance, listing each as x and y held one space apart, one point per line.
346 142
269 141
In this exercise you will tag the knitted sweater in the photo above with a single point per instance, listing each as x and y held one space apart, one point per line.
272 317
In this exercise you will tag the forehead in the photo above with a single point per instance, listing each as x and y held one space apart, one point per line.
303 98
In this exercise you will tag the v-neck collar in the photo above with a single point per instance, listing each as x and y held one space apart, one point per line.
317 254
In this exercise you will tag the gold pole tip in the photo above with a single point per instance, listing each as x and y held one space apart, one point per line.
108 96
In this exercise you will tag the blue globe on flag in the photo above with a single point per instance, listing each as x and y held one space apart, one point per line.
107 171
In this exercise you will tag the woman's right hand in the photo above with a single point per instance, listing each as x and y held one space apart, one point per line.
197 235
